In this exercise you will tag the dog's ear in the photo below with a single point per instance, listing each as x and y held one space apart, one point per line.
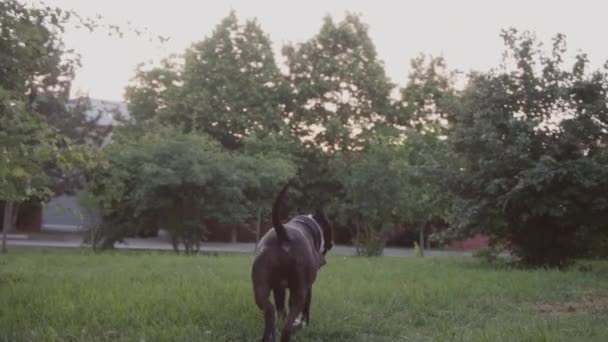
328 229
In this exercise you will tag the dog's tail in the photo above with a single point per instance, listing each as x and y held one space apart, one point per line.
276 215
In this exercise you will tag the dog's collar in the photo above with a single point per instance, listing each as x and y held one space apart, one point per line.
314 228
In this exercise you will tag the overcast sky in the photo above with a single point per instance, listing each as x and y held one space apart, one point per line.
466 33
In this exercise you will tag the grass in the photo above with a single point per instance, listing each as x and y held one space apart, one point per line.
122 296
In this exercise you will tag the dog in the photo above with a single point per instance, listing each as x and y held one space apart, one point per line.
289 257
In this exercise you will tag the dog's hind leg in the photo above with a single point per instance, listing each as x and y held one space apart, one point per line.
297 299
262 294
279 300
306 312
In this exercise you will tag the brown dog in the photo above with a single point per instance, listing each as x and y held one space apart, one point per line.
289 256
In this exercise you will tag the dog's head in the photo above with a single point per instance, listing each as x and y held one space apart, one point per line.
326 227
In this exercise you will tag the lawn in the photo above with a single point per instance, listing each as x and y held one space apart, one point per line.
127 296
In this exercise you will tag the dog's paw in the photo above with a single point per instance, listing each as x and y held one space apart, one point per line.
299 322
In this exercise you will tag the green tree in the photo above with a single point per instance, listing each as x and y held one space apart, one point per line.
269 165
426 111
29 146
341 94
77 121
180 181
532 137
153 92
36 72
229 86
25 148
35 62
166 179
423 202
372 182
428 97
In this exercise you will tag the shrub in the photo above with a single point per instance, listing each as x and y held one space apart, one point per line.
368 243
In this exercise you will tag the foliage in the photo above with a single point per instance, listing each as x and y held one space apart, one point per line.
532 138
164 178
393 180
269 166
35 62
391 183
35 74
229 89
38 69
153 91
26 146
179 181
491 256
229 86
37 156
341 94
596 242
368 242
425 111
372 182
35 68
79 123
428 97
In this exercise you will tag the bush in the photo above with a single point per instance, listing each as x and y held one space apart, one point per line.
488 255
529 176
369 243
168 179
595 242
179 182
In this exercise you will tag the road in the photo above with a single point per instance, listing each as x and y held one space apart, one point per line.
159 244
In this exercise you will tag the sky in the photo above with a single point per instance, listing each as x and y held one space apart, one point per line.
465 32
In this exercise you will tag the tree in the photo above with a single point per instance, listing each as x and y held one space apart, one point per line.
153 92
36 70
270 165
532 137
229 86
28 146
35 62
428 97
423 201
426 111
180 182
25 148
340 89
372 184
78 123
230 89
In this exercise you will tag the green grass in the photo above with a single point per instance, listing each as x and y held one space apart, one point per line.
120 296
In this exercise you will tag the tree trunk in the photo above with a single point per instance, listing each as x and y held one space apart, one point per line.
7 222
233 232
15 217
258 228
93 238
428 232
421 239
